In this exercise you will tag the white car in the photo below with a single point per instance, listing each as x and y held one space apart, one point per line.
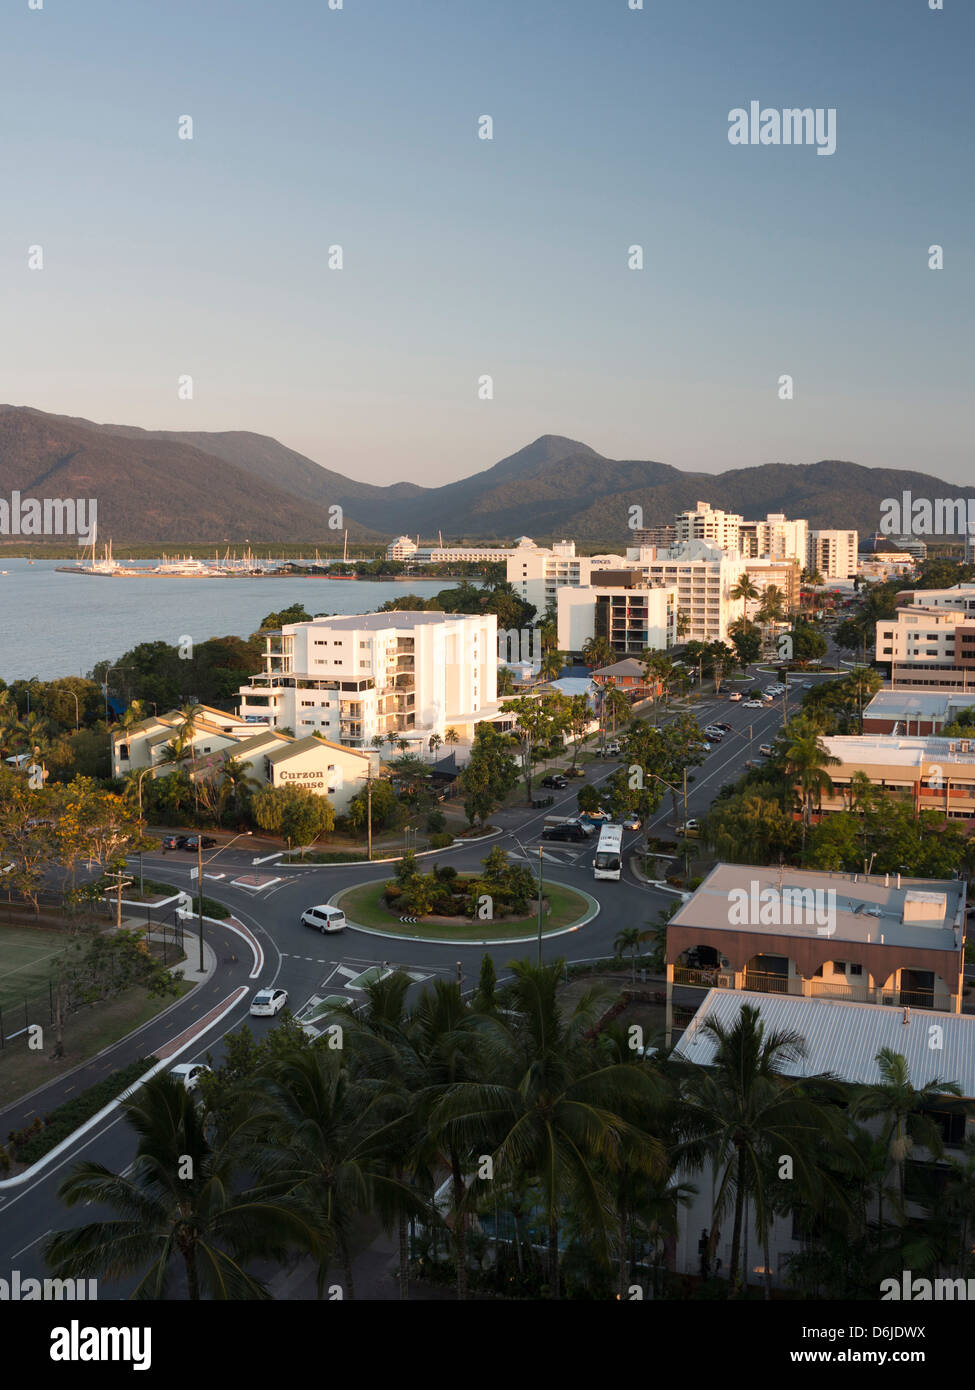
189 1073
735 695
613 749
267 1002
753 704
323 918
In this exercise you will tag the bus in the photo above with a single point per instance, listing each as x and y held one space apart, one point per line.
609 852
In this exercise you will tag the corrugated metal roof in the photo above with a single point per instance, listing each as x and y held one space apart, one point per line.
845 1038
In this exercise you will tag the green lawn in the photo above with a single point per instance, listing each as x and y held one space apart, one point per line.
27 957
364 906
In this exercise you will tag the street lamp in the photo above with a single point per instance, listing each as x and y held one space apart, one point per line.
199 875
540 890
139 786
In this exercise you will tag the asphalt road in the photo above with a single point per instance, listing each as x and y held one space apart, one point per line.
302 961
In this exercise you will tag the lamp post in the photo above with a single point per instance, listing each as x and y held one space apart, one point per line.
139 786
199 874
540 888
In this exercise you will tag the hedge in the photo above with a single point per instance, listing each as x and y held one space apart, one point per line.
65 1119
211 908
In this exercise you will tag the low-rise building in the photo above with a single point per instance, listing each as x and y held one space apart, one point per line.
881 939
842 1041
918 712
926 645
931 773
153 741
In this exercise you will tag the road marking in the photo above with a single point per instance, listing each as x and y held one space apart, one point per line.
33 1242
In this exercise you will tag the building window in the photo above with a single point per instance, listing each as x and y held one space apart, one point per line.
856 969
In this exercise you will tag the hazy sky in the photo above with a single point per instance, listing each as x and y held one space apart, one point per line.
463 257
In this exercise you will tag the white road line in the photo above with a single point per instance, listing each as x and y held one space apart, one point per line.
33 1242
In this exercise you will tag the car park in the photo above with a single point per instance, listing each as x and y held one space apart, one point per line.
189 1073
556 780
267 1002
323 918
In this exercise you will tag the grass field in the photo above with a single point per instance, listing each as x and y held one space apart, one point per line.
363 907
27 957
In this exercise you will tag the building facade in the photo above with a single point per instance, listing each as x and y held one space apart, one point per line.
353 679
833 554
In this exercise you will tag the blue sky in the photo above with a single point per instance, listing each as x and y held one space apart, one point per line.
508 257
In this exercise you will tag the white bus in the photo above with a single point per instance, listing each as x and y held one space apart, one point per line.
609 852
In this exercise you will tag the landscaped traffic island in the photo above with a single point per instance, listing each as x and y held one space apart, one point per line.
501 903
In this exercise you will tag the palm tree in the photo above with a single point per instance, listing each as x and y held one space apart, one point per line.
178 1203
616 705
682 624
451 736
237 781
772 609
748 591
551 665
323 1150
551 1110
434 743
741 1112
596 652
902 1108
805 760
628 940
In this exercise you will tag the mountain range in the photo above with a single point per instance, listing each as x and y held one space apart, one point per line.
193 486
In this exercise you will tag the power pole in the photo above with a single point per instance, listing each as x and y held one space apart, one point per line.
369 813
120 883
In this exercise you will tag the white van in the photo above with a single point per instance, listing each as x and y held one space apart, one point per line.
324 918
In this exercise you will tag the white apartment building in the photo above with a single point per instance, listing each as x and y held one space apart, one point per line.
402 548
960 597
632 619
151 742
537 573
352 678
775 538
932 647
833 554
707 523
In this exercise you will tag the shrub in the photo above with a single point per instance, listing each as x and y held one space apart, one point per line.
441 841
436 821
30 1145
392 891
211 908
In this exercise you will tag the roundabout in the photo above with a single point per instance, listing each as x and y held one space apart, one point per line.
564 910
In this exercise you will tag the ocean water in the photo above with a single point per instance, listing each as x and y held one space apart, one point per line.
60 624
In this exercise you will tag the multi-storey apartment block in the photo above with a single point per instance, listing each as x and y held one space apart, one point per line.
929 647
353 678
833 554
707 523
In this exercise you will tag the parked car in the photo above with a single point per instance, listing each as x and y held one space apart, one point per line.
575 772
613 749
735 695
726 728
691 829
753 704
191 841
323 918
555 780
267 1002
189 1073
172 841
767 749
595 817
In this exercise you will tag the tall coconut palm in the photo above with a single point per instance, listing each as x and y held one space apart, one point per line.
748 591
597 651
551 1111
806 759
323 1150
772 609
181 1203
629 939
551 665
901 1107
741 1112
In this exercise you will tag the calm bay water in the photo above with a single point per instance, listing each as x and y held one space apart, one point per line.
60 624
